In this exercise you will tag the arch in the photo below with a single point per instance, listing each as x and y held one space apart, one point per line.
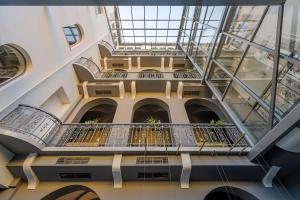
228 193
72 192
14 61
152 112
150 70
95 108
151 107
203 111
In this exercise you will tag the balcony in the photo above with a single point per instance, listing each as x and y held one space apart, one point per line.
135 52
34 125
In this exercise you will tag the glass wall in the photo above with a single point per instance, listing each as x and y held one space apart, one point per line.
241 68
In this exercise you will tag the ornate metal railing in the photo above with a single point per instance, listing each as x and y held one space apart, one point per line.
187 75
141 135
150 75
89 65
31 122
136 52
47 130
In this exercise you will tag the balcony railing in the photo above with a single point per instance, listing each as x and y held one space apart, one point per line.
142 135
32 123
90 66
45 129
150 75
136 52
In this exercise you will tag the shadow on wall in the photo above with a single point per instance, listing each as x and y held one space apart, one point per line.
72 192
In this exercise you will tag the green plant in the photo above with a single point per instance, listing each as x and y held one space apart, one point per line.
220 122
152 121
93 121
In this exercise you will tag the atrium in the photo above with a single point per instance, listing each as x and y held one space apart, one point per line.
161 99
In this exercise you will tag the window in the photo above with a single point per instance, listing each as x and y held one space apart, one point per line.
73 34
12 63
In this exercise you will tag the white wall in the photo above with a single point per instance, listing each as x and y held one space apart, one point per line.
39 31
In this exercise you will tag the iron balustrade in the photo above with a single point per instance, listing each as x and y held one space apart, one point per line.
90 66
135 52
187 75
150 135
47 130
31 122
150 75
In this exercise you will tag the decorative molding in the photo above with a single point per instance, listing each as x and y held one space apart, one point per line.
32 179
180 90
133 89
85 91
121 89
270 175
186 170
116 170
168 89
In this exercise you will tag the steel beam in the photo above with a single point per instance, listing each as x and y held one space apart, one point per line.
275 67
145 2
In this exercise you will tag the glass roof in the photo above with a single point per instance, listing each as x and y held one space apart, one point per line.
145 27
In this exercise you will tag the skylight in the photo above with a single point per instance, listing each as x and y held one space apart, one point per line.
145 27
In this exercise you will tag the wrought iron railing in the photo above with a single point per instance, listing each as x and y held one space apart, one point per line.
31 122
150 75
46 129
141 135
187 75
90 66
136 52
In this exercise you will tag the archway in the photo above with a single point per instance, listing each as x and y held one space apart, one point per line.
97 111
72 192
150 107
203 111
92 131
153 113
229 193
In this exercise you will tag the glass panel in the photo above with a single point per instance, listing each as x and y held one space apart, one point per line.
290 41
249 112
138 12
219 79
256 70
247 18
231 53
288 88
267 32
150 12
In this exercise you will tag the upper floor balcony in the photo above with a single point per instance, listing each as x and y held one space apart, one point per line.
138 52
28 129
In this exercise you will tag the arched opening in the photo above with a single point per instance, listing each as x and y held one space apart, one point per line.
153 113
202 111
150 107
102 113
205 113
72 192
229 193
92 131
12 63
